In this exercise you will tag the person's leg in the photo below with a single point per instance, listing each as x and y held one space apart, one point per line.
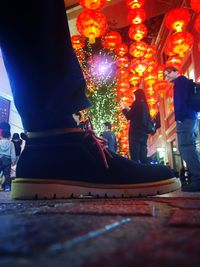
143 149
6 172
47 86
187 132
134 147
45 76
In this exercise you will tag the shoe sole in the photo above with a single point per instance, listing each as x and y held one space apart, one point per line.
57 189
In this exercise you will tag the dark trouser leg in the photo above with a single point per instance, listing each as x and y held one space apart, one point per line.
6 170
134 147
45 77
187 134
143 153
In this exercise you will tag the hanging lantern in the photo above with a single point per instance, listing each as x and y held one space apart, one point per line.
137 32
136 16
160 72
151 100
122 73
150 78
134 3
174 61
181 42
91 24
152 64
151 51
138 49
121 49
138 65
92 4
169 49
149 90
153 111
199 46
111 40
177 19
195 5
161 87
134 78
122 62
78 41
197 24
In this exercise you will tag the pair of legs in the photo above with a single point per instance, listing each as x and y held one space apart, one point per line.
187 133
60 160
138 149
5 167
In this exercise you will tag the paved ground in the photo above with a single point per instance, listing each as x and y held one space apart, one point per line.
155 232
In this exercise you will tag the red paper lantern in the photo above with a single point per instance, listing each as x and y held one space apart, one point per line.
78 42
111 40
199 46
169 49
138 65
174 61
136 16
92 4
150 78
152 64
121 49
181 42
122 73
134 78
134 3
151 51
197 24
91 24
138 49
151 100
122 62
137 32
195 5
149 90
177 19
161 87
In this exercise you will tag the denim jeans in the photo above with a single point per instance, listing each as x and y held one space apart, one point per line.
5 166
187 133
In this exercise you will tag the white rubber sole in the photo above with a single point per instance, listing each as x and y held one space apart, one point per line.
23 188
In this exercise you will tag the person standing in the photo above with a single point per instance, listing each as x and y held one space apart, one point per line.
109 136
7 158
138 114
186 126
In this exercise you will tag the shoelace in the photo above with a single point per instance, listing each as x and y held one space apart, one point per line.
100 143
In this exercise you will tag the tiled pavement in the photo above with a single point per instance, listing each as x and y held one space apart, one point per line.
155 232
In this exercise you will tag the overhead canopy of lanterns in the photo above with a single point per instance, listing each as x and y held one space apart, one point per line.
138 61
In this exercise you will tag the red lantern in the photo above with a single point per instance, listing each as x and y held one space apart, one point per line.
121 49
152 100
153 111
122 62
138 65
181 42
92 4
78 42
195 5
149 90
91 24
134 78
136 16
174 61
151 51
122 73
137 32
197 24
138 49
111 40
199 46
150 78
152 64
134 3
169 49
161 87
177 19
